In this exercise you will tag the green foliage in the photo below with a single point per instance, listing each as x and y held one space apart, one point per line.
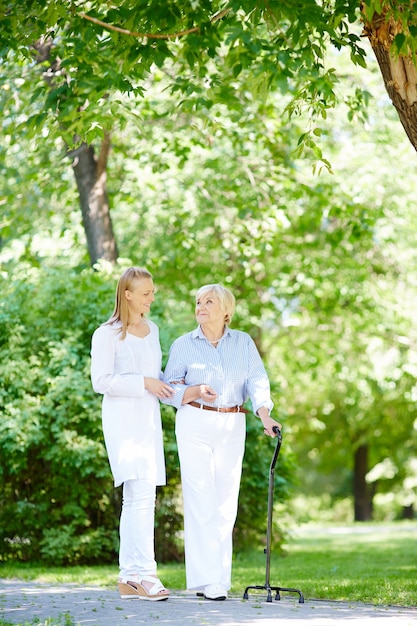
101 52
56 503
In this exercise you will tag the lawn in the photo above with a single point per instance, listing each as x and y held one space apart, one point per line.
373 563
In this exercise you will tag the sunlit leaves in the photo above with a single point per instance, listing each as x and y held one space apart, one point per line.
275 46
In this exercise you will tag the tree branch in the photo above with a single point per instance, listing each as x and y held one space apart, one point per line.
181 33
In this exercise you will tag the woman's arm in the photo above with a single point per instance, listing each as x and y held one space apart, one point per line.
259 390
267 421
176 374
194 392
103 377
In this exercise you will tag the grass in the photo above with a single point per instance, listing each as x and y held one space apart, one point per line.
65 620
373 563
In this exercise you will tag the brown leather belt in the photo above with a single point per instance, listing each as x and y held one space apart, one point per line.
219 409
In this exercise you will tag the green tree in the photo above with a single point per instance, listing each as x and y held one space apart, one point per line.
349 323
98 52
88 56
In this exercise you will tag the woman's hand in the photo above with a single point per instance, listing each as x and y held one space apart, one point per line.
268 422
158 388
206 393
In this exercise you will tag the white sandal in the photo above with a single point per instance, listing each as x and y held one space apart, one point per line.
133 587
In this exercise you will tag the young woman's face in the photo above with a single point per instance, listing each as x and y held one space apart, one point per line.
141 295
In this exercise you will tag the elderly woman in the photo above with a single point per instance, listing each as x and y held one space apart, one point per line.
213 370
126 369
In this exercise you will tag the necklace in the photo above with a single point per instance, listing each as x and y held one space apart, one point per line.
216 340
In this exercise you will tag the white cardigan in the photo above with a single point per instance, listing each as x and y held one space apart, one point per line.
131 415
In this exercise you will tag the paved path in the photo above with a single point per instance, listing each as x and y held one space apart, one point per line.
71 605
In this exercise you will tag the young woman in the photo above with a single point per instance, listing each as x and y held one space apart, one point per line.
126 369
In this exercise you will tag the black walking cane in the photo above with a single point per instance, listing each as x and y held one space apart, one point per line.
267 550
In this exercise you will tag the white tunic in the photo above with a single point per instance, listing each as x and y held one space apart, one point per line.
131 415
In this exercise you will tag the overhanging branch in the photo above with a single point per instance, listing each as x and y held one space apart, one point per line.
131 33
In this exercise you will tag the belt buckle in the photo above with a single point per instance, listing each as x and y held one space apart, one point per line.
218 409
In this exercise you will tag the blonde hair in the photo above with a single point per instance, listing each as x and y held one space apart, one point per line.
224 296
121 310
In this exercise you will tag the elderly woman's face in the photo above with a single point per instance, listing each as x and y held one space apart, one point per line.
208 310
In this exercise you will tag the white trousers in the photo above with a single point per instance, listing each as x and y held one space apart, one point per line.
210 447
137 521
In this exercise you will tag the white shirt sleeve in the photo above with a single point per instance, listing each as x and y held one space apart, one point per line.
106 376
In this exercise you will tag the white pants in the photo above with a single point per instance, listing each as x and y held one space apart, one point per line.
210 448
137 520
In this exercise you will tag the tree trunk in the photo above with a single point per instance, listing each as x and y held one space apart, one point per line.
361 491
408 511
399 74
90 175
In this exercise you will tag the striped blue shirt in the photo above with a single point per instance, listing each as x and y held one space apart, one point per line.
234 369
